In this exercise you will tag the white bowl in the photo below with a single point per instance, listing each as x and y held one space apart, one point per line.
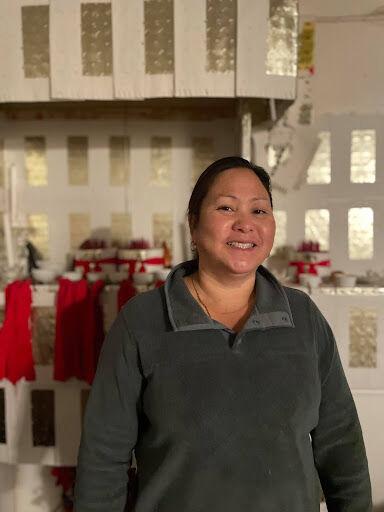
311 280
55 267
72 275
143 277
43 275
95 276
162 273
345 280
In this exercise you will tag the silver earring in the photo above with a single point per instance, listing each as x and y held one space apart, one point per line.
193 246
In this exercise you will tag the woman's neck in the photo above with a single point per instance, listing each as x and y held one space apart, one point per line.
224 295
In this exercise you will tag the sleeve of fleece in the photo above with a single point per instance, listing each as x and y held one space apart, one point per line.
337 440
110 425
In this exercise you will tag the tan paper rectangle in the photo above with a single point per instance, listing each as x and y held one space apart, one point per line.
363 156
96 39
121 227
360 233
282 38
163 229
43 334
77 160
159 36
306 47
35 27
2 164
35 161
79 229
363 338
161 158
203 154
39 232
221 20
119 160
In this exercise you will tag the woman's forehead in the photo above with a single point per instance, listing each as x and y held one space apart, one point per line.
233 182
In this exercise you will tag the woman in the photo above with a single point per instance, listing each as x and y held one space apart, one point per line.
228 386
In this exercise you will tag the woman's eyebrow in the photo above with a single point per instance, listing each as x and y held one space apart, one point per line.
235 197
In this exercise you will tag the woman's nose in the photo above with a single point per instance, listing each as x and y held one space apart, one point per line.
243 223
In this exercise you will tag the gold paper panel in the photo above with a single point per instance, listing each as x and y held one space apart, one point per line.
39 232
317 227
282 38
203 154
363 156
306 47
119 160
96 39
43 334
281 228
221 35
163 229
77 160
159 36
3 435
319 171
363 338
35 161
43 417
121 227
35 27
161 161
79 228
360 233
2 164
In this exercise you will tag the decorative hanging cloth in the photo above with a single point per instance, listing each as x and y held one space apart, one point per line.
79 329
126 292
16 359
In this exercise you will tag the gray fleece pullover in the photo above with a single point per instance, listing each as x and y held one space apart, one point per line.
222 421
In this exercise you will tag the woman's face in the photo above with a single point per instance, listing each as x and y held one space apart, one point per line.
236 228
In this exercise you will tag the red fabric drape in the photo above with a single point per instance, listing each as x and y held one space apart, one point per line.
79 329
126 292
16 360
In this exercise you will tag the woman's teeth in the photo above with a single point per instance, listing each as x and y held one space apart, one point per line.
241 245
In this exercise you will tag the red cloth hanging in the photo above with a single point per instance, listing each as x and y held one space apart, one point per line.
126 292
16 359
79 329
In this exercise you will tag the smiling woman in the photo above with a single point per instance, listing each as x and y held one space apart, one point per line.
227 385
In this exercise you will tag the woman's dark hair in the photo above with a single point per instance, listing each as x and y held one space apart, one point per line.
207 178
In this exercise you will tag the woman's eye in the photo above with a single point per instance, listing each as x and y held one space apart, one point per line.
258 211
225 208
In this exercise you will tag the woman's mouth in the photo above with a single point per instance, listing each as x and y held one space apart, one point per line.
241 245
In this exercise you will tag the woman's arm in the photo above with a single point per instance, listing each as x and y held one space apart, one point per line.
110 425
337 440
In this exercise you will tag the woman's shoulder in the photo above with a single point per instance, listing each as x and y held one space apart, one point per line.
146 310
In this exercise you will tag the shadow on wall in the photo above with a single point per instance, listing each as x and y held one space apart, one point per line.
379 507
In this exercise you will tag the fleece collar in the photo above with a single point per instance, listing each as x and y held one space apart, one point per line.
271 309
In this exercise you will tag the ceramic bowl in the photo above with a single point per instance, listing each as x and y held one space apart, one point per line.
143 278
43 275
347 280
72 275
92 277
162 273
